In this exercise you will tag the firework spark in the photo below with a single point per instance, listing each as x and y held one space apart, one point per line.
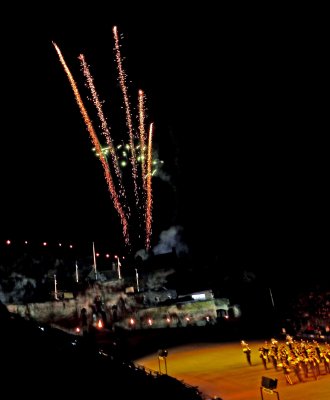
142 135
122 81
128 151
149 191
97 145
105 128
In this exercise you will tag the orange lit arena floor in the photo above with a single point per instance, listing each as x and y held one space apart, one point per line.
221 369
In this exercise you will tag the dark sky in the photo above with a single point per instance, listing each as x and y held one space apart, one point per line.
239 107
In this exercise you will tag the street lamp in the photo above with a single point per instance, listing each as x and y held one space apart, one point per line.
94 259
55 288
137 280
118 267
77 273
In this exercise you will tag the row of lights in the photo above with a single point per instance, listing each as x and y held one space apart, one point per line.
70 246
150 322
44 244
9 242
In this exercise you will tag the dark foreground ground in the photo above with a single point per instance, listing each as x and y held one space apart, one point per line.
38 361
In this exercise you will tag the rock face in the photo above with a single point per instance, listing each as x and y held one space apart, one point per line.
109 303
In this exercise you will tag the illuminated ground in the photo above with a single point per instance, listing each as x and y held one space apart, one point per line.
221 369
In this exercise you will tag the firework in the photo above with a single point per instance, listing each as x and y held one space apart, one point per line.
142 136
122 81
104 125
97 145
149 192
121 154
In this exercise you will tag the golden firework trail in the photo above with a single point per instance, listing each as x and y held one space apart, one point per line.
142 136
149 191
96 144
122 81
105 128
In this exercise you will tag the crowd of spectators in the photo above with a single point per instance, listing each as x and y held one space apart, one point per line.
312 314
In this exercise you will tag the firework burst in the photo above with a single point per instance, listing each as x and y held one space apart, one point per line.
138 145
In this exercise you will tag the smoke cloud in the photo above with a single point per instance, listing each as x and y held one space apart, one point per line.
142 253
170 240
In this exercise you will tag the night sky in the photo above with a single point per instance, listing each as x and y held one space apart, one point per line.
239 107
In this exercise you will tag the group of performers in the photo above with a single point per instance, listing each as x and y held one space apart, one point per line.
302 358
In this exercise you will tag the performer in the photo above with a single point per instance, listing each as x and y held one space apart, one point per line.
247 351
263 357
265 350
273 357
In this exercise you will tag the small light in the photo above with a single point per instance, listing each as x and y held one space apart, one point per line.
163 353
